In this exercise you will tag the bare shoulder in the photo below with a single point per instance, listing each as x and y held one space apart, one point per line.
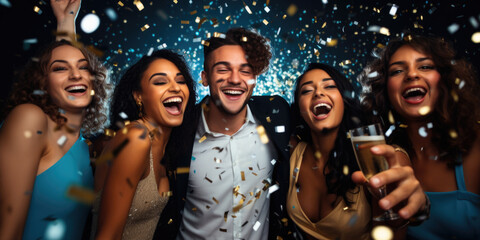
26 118
132 140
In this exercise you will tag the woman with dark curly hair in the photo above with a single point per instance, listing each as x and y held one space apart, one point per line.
43 157
429 100
152 97
323 201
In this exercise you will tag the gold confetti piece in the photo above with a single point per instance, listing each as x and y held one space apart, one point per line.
242 173
292 9
207 207
234 216
345 208
239 206
457 81
183 170
193 12
279 238
120 3
332 42
424 110
254 3
254 174
194 209
317 154
37 10
202 139
284 16
235 190
208 179
382 232
27 134
453 133
88 142
175 1
403 125
222 230
205 43
228 18
390 117
217 160
269 120
204 19
109 132
263 136
166 194
139 5
345 170
268 2
185 22
244 39
316 52
250 201
170 221
92 92
145 27
454 95
257 195
265 21
81 194
206 6
225 215
324 25
215 200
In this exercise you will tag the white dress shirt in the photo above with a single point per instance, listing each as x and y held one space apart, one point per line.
227 194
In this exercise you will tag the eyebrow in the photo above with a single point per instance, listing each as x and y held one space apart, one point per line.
63 61
228 64
310 82
163 74
403 62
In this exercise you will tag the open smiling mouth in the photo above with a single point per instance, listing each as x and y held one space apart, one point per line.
77 89
414 95
233 93
322 110
173 105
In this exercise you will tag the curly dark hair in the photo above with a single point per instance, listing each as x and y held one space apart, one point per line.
457 108
124 103
32 84
255 46
342 153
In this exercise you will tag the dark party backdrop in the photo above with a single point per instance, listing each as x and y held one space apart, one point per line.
344 34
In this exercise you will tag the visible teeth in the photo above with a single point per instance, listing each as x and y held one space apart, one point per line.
78 87
173 100
233 92
323 105
414 89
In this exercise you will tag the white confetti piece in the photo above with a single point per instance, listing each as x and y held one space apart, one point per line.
453 28
280 129
55 229
422 132
256 226
393 10
61 141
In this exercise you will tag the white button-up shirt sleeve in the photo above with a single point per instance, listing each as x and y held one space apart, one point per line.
228 184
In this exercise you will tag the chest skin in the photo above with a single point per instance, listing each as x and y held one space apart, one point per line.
312 195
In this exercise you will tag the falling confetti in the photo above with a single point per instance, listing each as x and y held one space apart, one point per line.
382 232
81 194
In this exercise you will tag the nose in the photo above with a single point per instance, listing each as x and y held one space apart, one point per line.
319 93
235 78
412 74
75 74
174 87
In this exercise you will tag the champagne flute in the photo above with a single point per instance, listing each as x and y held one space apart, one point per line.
363 138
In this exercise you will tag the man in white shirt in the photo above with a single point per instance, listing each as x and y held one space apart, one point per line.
233 158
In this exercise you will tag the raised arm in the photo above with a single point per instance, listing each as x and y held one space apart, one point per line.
407 187
121 182
22 142
66 12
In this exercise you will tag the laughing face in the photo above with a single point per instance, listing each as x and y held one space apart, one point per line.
319 101
69 79
412 83
164 93
230 78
